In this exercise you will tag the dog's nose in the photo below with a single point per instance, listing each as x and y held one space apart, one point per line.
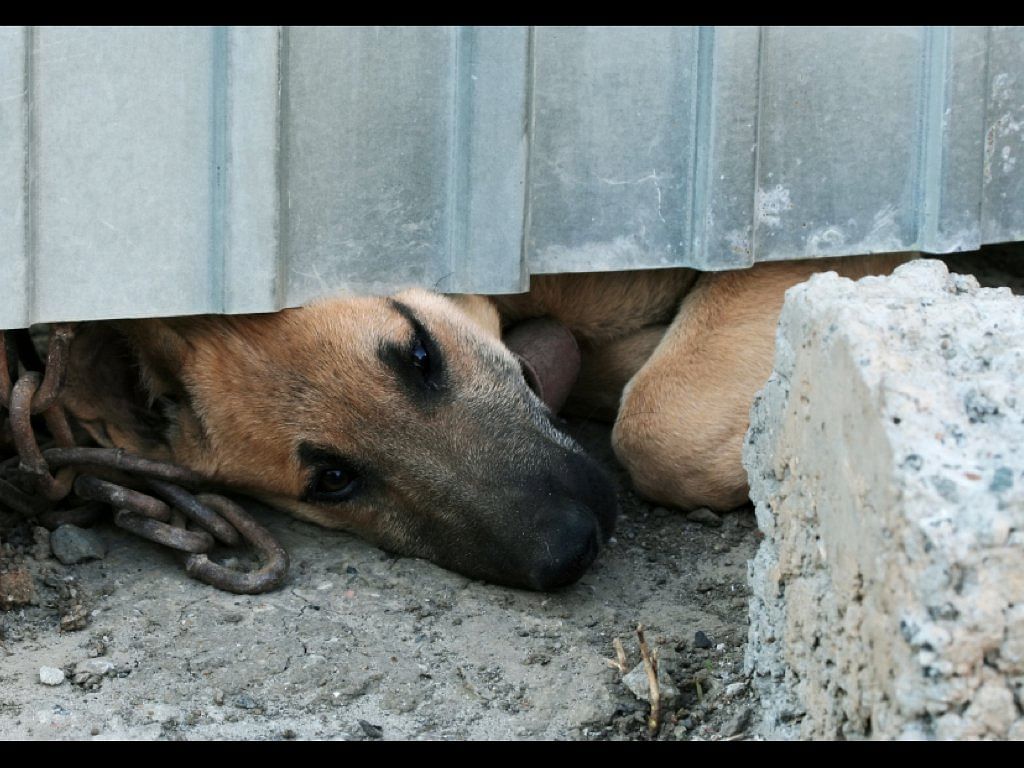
584 481
568 552
572 532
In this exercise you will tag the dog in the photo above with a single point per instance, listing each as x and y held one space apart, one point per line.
407 421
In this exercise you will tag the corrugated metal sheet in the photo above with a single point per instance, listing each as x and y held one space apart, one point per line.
159 171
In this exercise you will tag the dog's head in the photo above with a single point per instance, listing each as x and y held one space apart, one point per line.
404 420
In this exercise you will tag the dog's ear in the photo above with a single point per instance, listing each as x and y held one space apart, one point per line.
162 351
125 384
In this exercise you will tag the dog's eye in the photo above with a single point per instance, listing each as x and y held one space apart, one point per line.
335 484
424 359
420 357
417 359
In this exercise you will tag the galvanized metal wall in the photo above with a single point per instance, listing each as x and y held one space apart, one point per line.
160 171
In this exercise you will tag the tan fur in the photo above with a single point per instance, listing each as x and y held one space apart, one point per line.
253 386
680 428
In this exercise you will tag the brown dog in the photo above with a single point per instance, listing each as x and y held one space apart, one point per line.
408 422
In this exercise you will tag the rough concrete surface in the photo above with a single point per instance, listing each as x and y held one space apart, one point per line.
361 645
886 462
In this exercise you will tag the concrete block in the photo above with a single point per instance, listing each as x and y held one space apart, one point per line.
886 465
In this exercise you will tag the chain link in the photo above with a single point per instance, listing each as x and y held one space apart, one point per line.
44 484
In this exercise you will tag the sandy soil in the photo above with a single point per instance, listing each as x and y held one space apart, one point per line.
360 644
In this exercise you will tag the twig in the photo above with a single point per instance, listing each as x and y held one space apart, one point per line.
650 662
620 662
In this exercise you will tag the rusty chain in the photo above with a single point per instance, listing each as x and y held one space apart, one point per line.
64 483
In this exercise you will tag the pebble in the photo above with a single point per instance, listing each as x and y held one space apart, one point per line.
51 676
735 689
701 640
90 673
704 516
99 667
636 682
372 731
738 724
71 545
245 701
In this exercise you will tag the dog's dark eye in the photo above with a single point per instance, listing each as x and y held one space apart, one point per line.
417 360
420 356
425 359
334 484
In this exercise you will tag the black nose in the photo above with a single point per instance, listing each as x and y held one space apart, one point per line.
548 530
571 532
569 550
588 483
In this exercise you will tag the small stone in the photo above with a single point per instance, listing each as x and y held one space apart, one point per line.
245 701
99 667
51 676
372 731
704 516
735 689
71 545
700 640
636 682
76 618
739 723
90 673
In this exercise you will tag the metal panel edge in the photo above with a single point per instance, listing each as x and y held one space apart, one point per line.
723 233
489 161
251 235
15 60
959 210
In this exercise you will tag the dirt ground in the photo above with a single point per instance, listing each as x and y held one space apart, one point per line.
360 644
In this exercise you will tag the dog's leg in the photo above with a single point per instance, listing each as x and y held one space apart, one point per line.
683 416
